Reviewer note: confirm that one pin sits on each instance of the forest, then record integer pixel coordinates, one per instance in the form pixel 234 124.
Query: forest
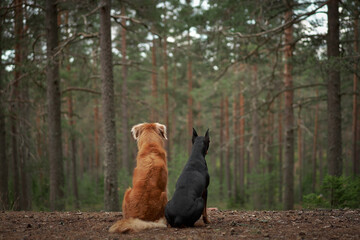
pixel 275 81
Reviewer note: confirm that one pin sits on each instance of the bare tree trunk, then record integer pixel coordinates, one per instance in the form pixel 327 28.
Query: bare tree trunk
pixel 124 119
pixel 111 198
pixel 73 152
pixel 242 148
pixel 190 100
pixel 14 108
pixel 95 166
pixel 38 133
pixel 81 158
pixel 248 172
pixel 289 116
pixel 171 136
pixel 255 143
pixel 227 148
pixel 235 151
pixel 280 142
pixel 321 165
pixel 4 191
pixel 166 112
pixel 153 114
pixel 54 109
pixel 300 157
pixel 334 150
pixel 24 147
pixel 166 93
pixel 270 157
pixel 355 157
pixel 313 186
pixel 221 144
pixel 24 130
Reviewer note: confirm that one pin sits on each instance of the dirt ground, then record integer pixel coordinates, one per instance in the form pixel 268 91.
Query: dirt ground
pixel 317 224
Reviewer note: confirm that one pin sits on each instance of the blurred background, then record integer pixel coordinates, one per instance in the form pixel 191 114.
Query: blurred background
pixel 274 81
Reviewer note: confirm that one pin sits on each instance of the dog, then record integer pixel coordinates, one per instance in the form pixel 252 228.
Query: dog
pixel 144 204
pixel 190 197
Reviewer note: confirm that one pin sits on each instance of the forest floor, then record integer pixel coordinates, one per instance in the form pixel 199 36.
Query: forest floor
pixel 298 224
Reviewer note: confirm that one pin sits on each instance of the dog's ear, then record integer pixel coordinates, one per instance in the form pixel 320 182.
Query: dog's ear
pixel 194 135
pixel 136 130
pixel 161 130
pixel 207 141
pixel 207 137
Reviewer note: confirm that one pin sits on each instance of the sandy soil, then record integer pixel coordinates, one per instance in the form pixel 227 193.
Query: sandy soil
pixel 314 224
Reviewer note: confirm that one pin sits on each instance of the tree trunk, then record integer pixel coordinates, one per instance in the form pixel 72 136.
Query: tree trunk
pixel 242 148
pixel 124 119
pixel 255 143
pixel 14 109
pixel 54 109
pixel 171 136
pixel 355 158
pixel 270 158
pixel 227 148
pixel 24 130
pixel 221 144
pixel 313 186
pixel 96 133
pixel 4 192
pixel 235 151
pixel 111 199
pixel 321 165
pixel 280 142
pixel 73 152
pixel 153 115
pixel 289 117
pixel 300 158
pixel 166 107
pixel 189 100
pixel 38 133
pixel 97 127
pixel 81 158
pixel 334 150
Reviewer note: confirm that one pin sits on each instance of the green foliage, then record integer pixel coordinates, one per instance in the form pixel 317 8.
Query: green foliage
pixel 313 200
pixel 336 192
pixel 175 168
pixel 124 182
pixel 91 192
pixel 41 192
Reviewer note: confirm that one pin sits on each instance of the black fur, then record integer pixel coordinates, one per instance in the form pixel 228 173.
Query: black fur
pixel 190 197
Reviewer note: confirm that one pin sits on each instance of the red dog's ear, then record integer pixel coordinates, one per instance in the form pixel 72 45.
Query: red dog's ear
pixel 136 130
pixel 161 129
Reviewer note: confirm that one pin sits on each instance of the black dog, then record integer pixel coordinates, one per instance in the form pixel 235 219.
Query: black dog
pixel 189 200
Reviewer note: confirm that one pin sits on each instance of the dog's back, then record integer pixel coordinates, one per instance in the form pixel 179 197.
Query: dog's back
pixel 188 203
pixel 143 205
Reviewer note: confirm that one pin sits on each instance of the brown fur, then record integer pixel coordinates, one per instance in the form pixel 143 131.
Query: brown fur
pixel 143 205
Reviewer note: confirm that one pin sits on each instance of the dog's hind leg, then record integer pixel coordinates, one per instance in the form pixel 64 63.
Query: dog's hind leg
pixel 126 201
pixel 205 216
pixel 162 202
pixel 195 211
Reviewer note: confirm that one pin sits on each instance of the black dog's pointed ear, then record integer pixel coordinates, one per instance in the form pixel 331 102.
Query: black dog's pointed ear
pixel 207 133
pixel 194 135
pixel 207 137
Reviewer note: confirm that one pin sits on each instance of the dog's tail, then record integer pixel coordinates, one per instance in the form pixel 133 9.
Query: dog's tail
pixel 136 225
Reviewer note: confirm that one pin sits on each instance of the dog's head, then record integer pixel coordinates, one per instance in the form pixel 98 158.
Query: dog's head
pixel 203 140
pixel 141 128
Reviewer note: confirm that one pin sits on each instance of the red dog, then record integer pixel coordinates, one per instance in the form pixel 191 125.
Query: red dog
pixel 144 204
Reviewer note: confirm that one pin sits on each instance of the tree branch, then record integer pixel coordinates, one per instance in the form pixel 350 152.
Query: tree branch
pixel 116 17
pixel 80 89
pixel 130 64
pixel 276 29
pixel 73 38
